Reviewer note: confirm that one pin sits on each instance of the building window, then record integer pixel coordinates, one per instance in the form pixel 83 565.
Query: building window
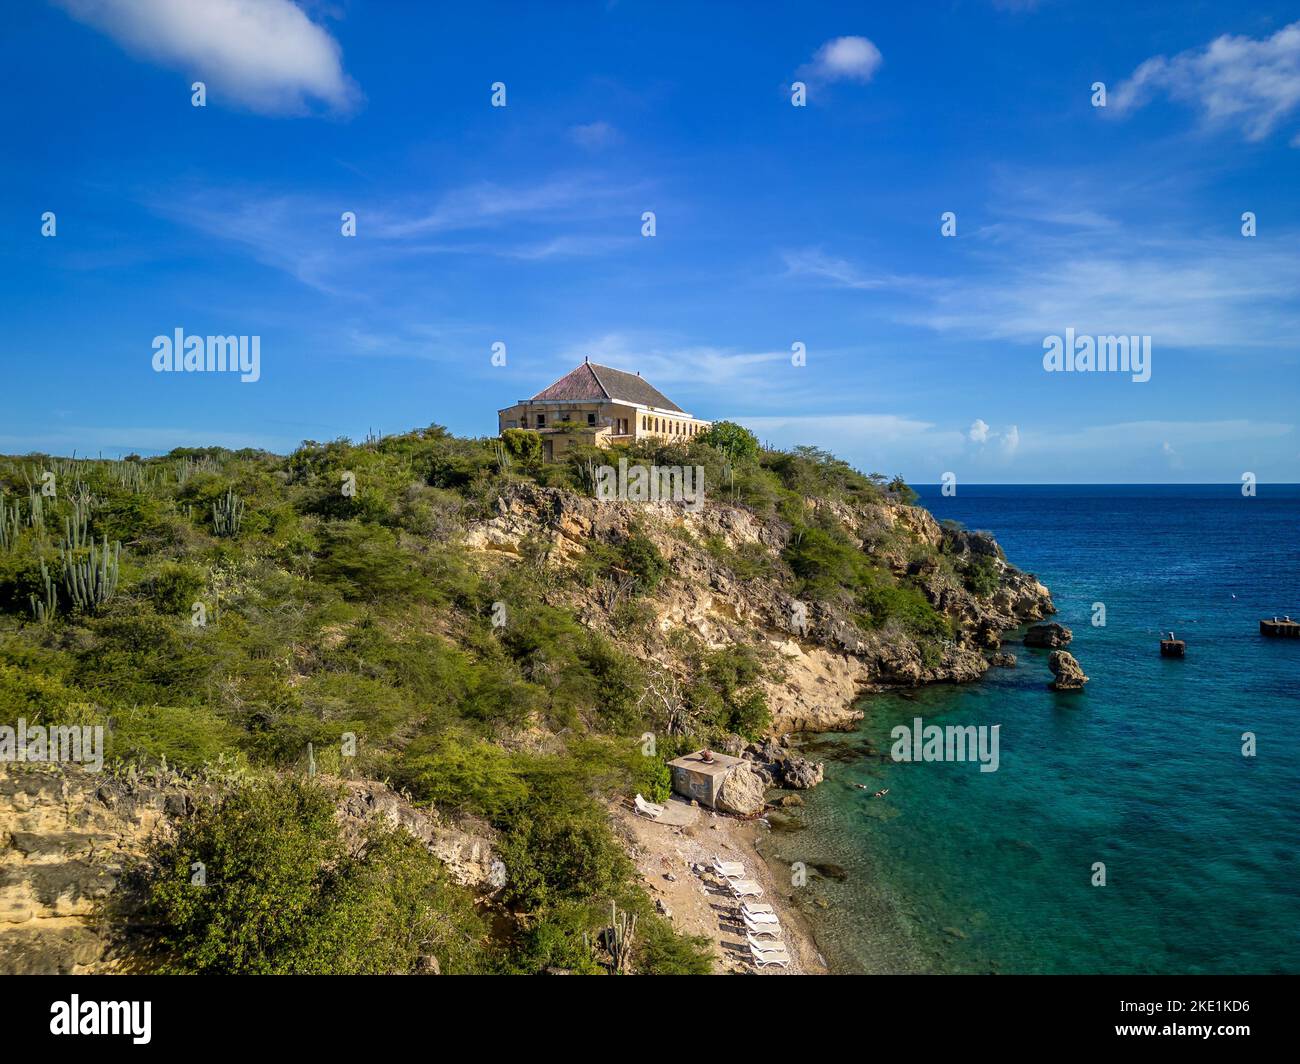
pixel 591 419
pixel 541 421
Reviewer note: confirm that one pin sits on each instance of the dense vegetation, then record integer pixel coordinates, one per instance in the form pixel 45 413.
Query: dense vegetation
pixel 220 611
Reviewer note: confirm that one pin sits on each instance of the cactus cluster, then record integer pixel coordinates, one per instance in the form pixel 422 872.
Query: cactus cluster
pixel 186 467
pixel 228 514
pixel 92 581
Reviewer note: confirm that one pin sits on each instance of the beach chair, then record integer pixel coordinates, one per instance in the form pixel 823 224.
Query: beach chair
pixel 758 918
pixel 745 888
pixel 729 869
pixel 648 809
pixel 753 930
pixel 762 958
pixel 757 908
pixel 756 943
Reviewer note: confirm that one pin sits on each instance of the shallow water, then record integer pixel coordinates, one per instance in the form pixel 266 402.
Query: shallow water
pixel 958 870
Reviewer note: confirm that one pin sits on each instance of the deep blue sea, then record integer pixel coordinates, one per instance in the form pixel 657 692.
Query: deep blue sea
pixel 958 870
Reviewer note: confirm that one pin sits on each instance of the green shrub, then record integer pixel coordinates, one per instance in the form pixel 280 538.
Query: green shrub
pixel 284 894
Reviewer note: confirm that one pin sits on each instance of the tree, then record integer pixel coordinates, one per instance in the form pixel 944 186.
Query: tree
pixel 523 445
pixel 735 441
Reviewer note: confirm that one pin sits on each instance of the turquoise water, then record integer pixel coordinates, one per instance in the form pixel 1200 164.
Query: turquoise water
pixel 958 870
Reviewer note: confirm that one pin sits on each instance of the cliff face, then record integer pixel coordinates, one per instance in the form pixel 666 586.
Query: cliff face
pixel 822 660
pixel 67 836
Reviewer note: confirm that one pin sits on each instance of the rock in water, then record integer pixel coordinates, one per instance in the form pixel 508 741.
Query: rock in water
pixel 1069 675
pixel 1003 660
pixel 801 774
pixel 1048 635
pixel 743 791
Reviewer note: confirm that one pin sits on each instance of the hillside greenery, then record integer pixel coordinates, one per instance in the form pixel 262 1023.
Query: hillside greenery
pixel 221 610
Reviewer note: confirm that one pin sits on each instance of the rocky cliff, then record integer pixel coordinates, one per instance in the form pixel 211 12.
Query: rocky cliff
pixel 67 836
pixel 822 662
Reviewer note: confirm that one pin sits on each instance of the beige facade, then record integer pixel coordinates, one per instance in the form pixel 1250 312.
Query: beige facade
pixel 601 406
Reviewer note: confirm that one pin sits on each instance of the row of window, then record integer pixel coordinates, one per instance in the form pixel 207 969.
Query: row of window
pixel 672 428
pixel 621 425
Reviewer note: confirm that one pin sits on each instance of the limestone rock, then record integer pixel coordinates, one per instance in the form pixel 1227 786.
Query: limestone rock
pixel 1069 675
pixel 743 791
pixel 801 774
pixel 1048 636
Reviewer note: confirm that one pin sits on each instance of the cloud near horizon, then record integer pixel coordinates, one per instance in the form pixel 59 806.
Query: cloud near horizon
pixel 264 55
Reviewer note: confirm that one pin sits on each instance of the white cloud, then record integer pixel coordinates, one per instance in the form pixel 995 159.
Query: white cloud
pixel 847 428
pixel 1254 84
pixel 698 365
pixel 594 135
pixel 265 55
pixel 1027 282
pixel 981 433
pixel 815 263
pixel 843 59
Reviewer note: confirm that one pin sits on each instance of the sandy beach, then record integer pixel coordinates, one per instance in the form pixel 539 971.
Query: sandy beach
pixel 697 903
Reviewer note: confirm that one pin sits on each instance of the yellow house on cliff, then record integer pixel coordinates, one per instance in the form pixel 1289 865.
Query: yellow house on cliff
pixel 601 406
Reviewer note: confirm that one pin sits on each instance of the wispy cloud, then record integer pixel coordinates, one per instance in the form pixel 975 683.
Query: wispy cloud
pixel 300 234
pixel 1026 281
pixel 263 55
pixel 1253 83
pixel 817 264
pixel 700 365
pixel 594 135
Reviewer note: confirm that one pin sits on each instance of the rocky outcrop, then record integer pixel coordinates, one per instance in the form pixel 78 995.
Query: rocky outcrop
pixel 1068 672
pixel 744 791
pixel 1003 660
pixel 67 836
pixel 1048 636
pixel 800 774
pixel 466 849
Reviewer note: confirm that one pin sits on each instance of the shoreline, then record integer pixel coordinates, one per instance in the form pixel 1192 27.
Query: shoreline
pixel 696 904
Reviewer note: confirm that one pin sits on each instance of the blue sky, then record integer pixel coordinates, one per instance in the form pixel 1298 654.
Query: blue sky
pixel 775 224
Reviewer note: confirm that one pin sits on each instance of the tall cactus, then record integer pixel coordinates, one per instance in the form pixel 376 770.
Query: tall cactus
pixel 76 531
pixel 228 514
pixel 11 522
pixel 619 938
pixel 44 609
pixel 92 581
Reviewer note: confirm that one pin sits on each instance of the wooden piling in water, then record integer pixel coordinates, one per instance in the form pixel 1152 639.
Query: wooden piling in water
pixel 1172 648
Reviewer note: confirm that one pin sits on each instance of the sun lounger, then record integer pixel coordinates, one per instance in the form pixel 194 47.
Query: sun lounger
pixel 758 918
pixel 648 809
pixel 753 930
pixel 762 958
pixel 729 869
pixel 757 908
pixel 745 888
pixel 756 943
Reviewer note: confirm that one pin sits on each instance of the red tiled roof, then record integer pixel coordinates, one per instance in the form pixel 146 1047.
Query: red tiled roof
pixel 590 382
